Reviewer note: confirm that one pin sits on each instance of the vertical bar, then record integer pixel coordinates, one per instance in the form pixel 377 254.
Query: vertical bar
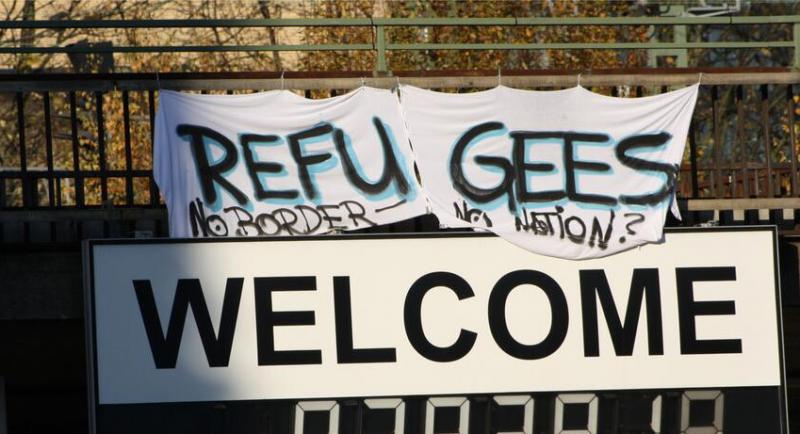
pixel 23 155
pixel 359 419
pixel 154 193
pixel 80 202
pixel 796 40
pixel 126 119
pixel 767 138
pixel 58 194
pixel 101 147
pixel 151 111
pixel 48 137
pixel 380 48
pixel 2 204
pixel 23 163
pixel 745 158
pixel 792 136
pixel 717 142
pixel 679 36
pixel 693 161
pixel 3 417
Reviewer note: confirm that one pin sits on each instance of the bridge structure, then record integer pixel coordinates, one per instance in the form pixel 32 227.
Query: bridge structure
pixel 70 169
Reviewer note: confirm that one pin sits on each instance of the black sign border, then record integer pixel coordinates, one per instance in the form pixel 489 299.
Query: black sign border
pixel 89 290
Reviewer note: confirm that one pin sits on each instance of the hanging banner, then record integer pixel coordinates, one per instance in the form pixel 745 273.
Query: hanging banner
pixel 566 173
pixel 275 163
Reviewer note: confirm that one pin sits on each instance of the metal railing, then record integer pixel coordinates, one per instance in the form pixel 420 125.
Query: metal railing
pixel 80 146
pixel 382 43
pixel 77 147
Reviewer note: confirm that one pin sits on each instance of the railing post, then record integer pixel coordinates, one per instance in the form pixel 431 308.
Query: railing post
pixel 765 121
pixel 744 150
pixel 693 162
pixel 380 48
pixel 796 40
pixel 792 137
pixel 678 37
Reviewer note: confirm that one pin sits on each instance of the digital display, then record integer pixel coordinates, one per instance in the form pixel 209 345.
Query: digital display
pixel 702 411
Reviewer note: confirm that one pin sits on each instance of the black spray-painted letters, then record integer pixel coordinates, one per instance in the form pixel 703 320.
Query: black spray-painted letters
pixel 516 187
pixel 213 172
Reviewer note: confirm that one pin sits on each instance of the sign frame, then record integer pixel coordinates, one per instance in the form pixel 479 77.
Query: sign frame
pixel 91 326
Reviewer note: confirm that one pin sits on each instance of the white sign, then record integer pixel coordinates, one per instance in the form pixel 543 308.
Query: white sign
pixel 567 173
pixel 275 163
pixel 216 320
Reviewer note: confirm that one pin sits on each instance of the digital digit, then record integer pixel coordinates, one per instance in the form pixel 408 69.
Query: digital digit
pixel 575 398
pixel 300 409
pixel 460 402
pixel 655 418
pixel 702 395
pixel 527 402
pixel 399 410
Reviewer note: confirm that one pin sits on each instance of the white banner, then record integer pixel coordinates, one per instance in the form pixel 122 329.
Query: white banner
pixel 215 320
pixel 275 163
pixel 567 173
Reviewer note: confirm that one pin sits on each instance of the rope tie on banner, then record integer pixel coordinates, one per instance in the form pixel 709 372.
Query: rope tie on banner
pixel 579 79
pixel 283 87
pixel 700 78
pixel 499 77
pixel 363 82
pixel 158 81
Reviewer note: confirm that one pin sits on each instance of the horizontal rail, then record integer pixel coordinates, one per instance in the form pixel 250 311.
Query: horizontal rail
pixel 393 46
pixel 381 44
pixel 96 214
pixel 355 22
pixel 150 82
pixel 592 45
pixel 742 204
pixel 184 48
pixel 38 173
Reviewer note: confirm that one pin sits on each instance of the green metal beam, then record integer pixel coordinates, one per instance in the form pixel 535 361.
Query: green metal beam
pixel 355 22
pixel 389 46
pixel 425 22
pixel 381 44
pixel 592 45
pixel 183 48
pixel 380 47
pixel 150 24
pixel 796 41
